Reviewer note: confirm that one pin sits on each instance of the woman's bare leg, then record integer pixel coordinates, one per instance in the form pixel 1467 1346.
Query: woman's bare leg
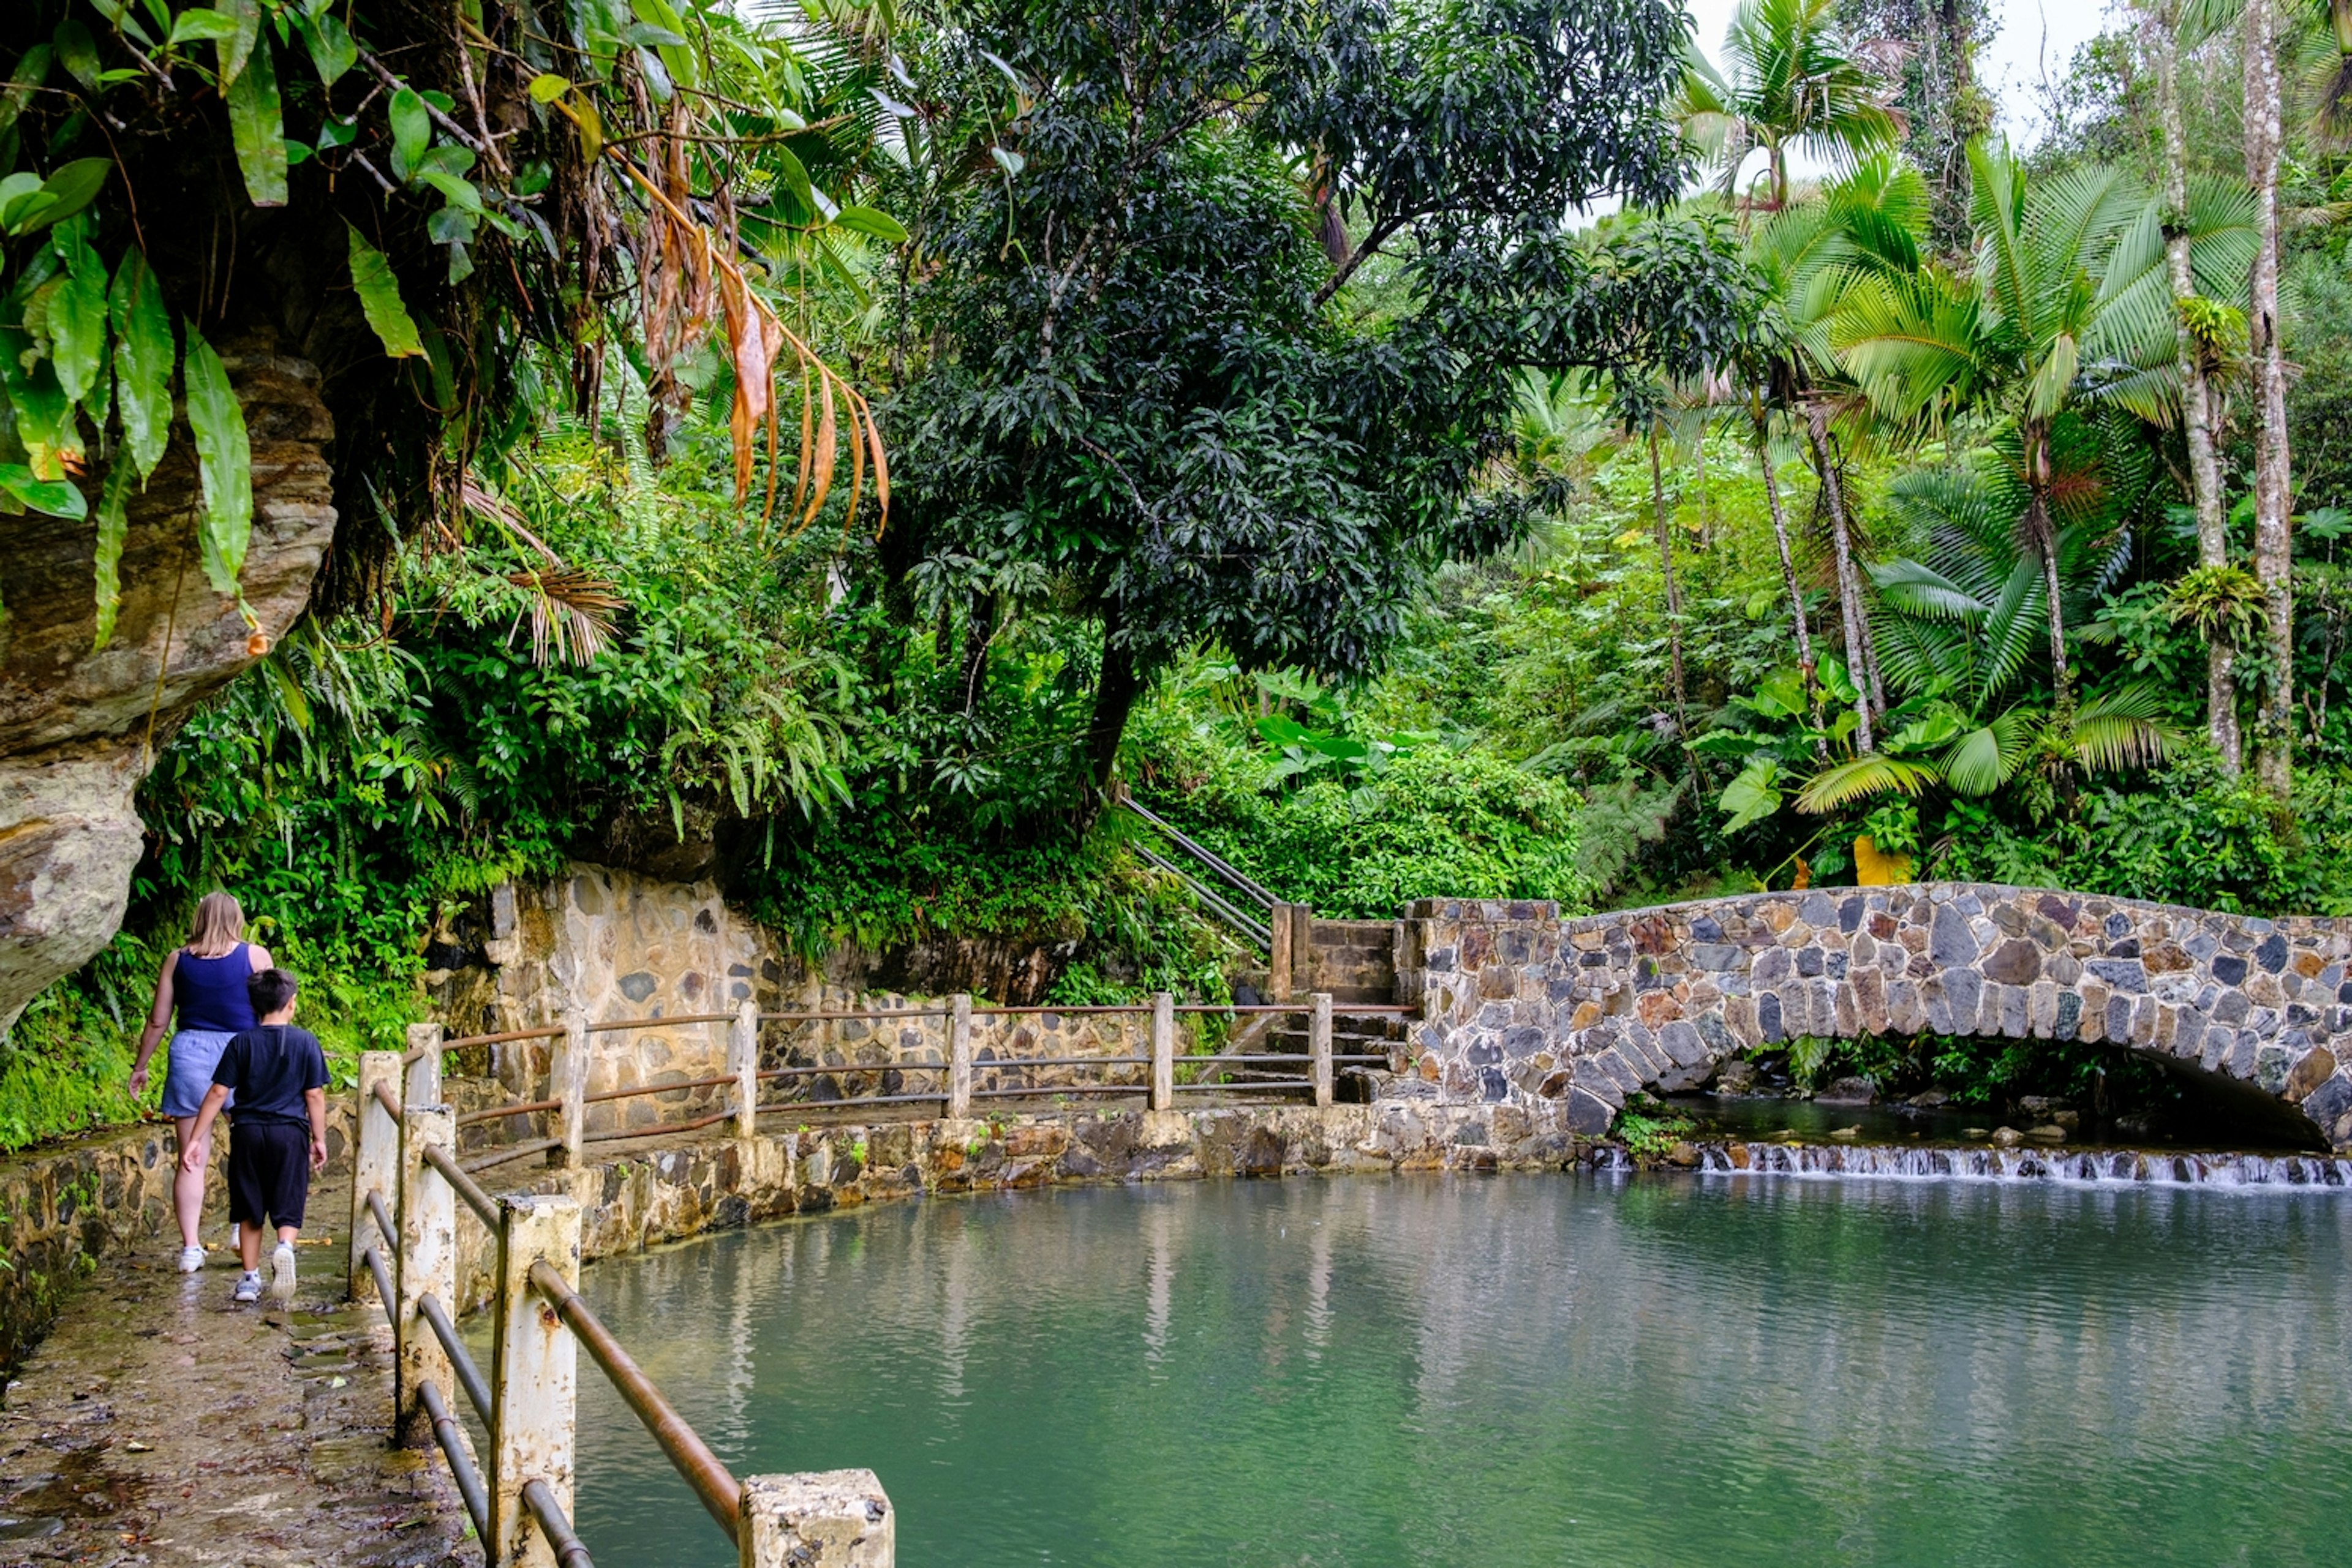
pixel 188 1186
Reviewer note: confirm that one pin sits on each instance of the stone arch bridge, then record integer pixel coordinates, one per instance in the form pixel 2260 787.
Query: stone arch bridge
pixel 1520 1005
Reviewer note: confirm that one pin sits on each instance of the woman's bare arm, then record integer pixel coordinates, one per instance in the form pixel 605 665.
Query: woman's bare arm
pixel 159 1018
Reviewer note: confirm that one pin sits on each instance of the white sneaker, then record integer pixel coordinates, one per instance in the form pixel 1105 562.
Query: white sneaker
pixel 248 1288
pixel 191 1259
pixel 281 1273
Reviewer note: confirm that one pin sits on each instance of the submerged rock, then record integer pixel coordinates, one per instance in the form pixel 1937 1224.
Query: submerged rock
pixel 1849 1091
pixel 2008 1137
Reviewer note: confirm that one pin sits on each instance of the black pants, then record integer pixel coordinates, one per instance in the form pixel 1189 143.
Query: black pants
pixel 268 1171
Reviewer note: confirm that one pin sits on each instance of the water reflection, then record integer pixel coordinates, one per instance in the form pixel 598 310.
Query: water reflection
pixel 1516 1370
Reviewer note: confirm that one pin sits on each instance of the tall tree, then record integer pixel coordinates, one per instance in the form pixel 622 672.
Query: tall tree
pixel 2163 24
pixel 2273 539
pixel 1144 377
pixel 1943 107
pixel 1790 78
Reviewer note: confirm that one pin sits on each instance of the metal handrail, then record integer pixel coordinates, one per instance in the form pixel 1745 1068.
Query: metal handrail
pixel 494 1113
pixel 390 1101
pixel 382 1277
pixel 383 1215
pixel 1218 905
pixel 512 1152
pixel 548 1033
pixel 465 1186
pixel 719 1493
pixel 569 1551
pixel 613 1134
pixel 642 1089
pixel 656 1023
pixel 461 1360
pixel 1215 863
pixel 824 1014
pixel 447 1431
pixel 852 1066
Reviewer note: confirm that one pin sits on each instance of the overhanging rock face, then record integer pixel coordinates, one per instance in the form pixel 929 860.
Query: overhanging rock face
pixel 1521 1005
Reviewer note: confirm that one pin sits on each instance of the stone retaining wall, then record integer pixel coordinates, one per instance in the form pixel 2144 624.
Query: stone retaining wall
pixel 65 1205
pixel 1523 1007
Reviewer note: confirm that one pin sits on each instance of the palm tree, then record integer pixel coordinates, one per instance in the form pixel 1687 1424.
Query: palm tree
pixel 1960 630
pixel 2042 323
pixel 2273 541
pixel 1810 256
pixel 1791 78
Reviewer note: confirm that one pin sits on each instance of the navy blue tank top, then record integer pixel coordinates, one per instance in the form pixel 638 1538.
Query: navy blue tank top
pixel 210 992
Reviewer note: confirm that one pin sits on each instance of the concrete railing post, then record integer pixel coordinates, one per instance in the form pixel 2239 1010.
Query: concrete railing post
pixel 568 1083
pixel 1278 963
pixel 375 1166
pixel 423 1084
pixel 428 1264
pixel 743 1061
pixel 827 1519
pixel 1164 1051
pixel 1318 1047
pixel 535 1383
pixel 958 1056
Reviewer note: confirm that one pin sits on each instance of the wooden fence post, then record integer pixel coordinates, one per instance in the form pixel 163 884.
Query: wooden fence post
pixel 827 1519
pixel 424 1084
pixel 958 1056
pixel 1318 1047
pixel 1278 963
pixel 1164 1051
pixel 534 1384
pixel 376 1167
pixel 428 1264
pixel 743 1061
pixel 568 1083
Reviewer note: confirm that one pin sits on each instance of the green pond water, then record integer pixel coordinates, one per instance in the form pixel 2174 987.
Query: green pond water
pixel 1516 1370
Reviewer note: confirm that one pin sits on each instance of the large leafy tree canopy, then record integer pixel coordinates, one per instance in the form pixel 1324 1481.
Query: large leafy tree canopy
pixel 1214 310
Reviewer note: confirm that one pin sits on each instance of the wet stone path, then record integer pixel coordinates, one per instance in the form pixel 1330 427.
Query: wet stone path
pixel 159 1425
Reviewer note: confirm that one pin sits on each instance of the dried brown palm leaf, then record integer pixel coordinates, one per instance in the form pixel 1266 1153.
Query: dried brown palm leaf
pixel 571 614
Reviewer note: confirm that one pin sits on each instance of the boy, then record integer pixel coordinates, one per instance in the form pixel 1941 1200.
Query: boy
pixel 279 1075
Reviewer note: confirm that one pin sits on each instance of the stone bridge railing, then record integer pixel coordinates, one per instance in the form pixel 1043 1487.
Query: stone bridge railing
pixel 1520 1005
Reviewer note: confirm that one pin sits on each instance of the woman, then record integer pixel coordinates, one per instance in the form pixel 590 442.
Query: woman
pixel 206 982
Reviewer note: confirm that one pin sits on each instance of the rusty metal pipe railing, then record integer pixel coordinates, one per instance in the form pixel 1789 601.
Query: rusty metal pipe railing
pixel 383 1215
pixel 569 1551
pixel 512 1152
pixel 553 1031
pixel 1250 1084
pixel 391 1103
pixel 846 1102
pixel 644 1090
pixel 466 1186
pixel 385 1294
pixel 719 1493
pixel 1046 1089
pixel 854 1066
pixel 825 1014
pixel 452 1439
pixel 683 1018
pixel 660 1130
pixel 494 1113
pixel 461 1360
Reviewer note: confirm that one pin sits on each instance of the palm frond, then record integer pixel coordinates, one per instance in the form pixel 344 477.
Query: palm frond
pixel 1859 778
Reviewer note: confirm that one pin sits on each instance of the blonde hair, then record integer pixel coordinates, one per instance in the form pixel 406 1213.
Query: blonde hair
pixel 219 925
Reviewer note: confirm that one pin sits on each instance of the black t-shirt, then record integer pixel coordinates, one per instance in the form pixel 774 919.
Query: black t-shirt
pixel 269 1066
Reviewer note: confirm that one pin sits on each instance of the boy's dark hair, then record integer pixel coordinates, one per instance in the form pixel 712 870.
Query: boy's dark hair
pixel 270 989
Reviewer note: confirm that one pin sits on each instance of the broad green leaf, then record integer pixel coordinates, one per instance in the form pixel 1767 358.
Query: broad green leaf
pixel 546 88
pixel 57 198
pixel 258 126
pixel 113 525
pixel 76 315
pixel 244 32
pixel 1012 162
pixel 461 194
pixel 1753 796
pixel 77 51
pixel 412 131
pixel 379 293
pixel 143 352
pixel 224 464
pixel 57 498
pixel 866 220
pixel 117 12
pixel 198 25
pixel 44 415
pixel 31 70
pixel 332 49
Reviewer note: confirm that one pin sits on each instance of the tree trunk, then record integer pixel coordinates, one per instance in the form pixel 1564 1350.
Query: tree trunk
pixel 1859 659
pixel 1115 695
pixel 2045 544
pixel 1674 592
pixel 2274 542
pixel 2161 28
pixel 1789 570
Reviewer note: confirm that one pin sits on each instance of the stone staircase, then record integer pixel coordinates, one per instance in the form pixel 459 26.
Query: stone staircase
pixel 1355 962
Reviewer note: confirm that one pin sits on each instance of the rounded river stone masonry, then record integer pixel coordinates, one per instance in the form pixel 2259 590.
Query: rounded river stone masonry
pixel 1519 1005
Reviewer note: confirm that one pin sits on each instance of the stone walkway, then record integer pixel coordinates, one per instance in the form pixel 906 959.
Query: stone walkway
pixel 158 1425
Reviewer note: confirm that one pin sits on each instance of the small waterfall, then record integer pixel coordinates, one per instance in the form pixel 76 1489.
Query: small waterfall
pixel 2105 1167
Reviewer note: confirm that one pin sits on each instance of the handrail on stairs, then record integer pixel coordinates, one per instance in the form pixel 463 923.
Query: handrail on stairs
pixel 1234 908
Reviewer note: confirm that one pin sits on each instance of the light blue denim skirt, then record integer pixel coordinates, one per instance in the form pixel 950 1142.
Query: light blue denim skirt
pixel 188 1076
